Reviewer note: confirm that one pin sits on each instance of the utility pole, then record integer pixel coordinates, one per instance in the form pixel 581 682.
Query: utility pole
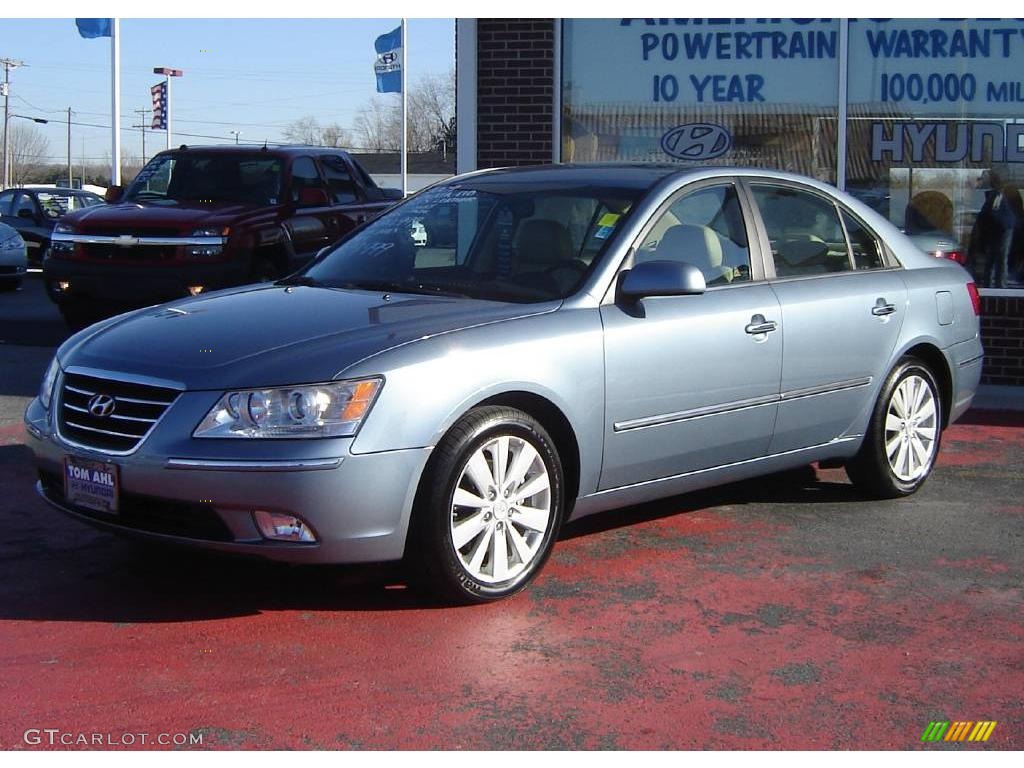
pixel 71 180
pixel 142 125
pixel 8 65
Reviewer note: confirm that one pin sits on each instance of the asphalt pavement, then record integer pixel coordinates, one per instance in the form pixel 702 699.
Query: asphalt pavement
pixel 782 613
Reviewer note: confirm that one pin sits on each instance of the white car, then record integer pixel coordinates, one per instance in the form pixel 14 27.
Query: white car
pixel 13 258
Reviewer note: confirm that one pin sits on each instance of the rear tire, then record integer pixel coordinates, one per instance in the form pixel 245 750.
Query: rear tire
pixel 903 436
pixel 488 509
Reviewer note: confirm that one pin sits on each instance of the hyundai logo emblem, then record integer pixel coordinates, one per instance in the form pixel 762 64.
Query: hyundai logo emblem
pixel 101 405
pixel 696 141
pixel 388 58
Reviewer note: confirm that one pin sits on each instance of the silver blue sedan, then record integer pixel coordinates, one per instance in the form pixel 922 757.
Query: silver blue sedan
pixel 510 350
pixel 13 258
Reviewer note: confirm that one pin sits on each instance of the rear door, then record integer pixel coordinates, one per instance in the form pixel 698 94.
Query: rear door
pixel 842 309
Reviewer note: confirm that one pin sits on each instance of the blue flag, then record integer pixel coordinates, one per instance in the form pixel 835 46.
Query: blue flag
pixel 94 27
pixel 388 66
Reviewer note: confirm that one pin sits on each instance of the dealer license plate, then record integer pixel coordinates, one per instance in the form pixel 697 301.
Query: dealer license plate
pixel 91 484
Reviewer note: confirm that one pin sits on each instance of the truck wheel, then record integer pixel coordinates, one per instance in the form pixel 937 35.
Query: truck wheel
pixel 903 435
pixel 489 508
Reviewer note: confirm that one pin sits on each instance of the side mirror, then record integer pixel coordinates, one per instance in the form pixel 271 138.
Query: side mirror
pixel 26 213
pixel 311 196
pixel 661 278
pixel 113 193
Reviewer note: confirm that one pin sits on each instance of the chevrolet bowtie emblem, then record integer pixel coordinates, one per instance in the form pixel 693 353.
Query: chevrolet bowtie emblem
pixel 125 241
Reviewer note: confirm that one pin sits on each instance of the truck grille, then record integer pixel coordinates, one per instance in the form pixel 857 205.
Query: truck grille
pixel 106 252
pixel 136 408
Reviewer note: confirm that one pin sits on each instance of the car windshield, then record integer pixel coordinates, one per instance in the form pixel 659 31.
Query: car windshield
pixel 56 204
pixel 502 243
pixel 208 177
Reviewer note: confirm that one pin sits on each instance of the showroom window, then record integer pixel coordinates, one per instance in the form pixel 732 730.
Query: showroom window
pixel 920 119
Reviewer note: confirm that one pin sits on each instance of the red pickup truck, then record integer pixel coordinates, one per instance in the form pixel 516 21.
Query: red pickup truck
pixel 196 219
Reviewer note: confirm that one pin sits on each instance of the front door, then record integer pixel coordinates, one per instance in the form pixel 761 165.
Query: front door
pixel 692 382
pixel 842 310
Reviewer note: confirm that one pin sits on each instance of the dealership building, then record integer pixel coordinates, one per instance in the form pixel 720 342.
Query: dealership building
pixel 922 119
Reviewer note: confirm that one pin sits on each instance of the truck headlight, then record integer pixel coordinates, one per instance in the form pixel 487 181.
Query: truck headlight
pixel 13 242
pixel 332 409
pixel 49 381
pixel 63 229
pixel 209 251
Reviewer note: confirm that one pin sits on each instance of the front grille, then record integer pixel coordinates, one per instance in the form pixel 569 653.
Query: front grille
pixel 134 231
pixel 137 409
pixel 138 253
pixel 148 513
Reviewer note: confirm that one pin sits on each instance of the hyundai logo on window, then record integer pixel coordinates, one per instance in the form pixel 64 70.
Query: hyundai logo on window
pixel 696 141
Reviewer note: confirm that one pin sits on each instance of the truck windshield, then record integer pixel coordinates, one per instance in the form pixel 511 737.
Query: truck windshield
pixel 208 177
pixel 498 243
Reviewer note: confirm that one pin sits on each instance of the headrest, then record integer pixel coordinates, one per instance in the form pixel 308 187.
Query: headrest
pixel 543 242
pixel 693 244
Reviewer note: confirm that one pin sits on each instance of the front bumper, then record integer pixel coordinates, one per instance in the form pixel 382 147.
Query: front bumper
pixel 358 505
pixel 137 285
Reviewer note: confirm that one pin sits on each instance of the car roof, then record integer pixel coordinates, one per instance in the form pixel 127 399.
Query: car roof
pixel 623 175
pixel 275 150
pixel 54 190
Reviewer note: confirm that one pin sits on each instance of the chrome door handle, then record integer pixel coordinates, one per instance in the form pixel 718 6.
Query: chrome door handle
pixel 759 325
pixel 881 308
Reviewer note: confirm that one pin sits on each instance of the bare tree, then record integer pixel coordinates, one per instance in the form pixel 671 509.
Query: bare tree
pixel 307 130
pixel 378 124
pixel 29 148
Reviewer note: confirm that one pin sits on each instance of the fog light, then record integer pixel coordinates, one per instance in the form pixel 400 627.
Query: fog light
pixel 282 527
pixel 195 290
pixel 63 285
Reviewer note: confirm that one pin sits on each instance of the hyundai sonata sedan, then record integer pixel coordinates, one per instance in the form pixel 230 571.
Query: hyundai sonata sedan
pixel 510 350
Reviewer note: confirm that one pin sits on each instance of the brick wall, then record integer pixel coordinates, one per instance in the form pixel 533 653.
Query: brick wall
pixel 1002 334
pixel 515 91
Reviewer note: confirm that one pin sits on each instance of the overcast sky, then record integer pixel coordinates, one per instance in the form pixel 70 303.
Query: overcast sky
pixel 253 76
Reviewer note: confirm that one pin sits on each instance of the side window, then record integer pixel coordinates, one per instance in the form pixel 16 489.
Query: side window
pixel 340 184
pixel 704 228
pixel 6 198
pixel 863 244
pixel 804 230
pixel 24 202
pixel 304 176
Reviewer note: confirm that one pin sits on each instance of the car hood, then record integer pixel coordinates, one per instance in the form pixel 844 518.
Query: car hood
pixel 181 216
pixel 272 335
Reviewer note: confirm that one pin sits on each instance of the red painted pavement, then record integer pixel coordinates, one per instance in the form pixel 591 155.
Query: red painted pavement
pixel 779 613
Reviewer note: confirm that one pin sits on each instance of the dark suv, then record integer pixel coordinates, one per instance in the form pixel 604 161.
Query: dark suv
pixel 197 219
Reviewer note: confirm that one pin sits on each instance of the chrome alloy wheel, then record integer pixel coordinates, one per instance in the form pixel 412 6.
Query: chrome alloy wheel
pixel 501 509
pixel 911 428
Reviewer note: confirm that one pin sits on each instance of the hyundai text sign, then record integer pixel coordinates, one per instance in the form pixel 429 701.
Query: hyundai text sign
pixel 696 141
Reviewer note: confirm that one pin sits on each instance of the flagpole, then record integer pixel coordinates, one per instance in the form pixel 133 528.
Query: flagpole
pixel 115 102
pixel 405 114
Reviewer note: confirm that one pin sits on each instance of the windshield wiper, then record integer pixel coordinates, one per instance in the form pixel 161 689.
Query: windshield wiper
pixel 399 287
pixel 306 280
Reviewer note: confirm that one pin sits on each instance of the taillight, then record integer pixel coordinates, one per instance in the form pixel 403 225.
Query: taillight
pixel 958 256
pixel 972 291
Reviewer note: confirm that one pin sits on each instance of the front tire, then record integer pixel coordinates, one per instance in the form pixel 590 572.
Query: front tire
pixel 489 507
pixel 903 435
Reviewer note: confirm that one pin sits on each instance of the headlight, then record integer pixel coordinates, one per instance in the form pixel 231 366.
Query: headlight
pixel 49 380
pixel 14 241
pixel 333 409
pixel 208 251
pixel 63 229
